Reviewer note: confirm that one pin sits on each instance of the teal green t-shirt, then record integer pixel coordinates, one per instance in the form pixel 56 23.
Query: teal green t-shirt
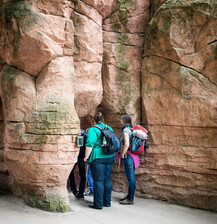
pixel 94 139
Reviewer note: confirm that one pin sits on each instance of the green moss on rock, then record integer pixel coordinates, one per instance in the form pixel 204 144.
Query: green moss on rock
pixel 15 20
pixel 15 10
pixel 121 14
pixel 120 52
pixel 53 203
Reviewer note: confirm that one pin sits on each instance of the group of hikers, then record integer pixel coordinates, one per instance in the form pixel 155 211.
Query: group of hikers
pixel 99 164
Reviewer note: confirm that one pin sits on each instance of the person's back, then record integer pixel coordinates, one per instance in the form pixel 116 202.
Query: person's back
pixel 100 165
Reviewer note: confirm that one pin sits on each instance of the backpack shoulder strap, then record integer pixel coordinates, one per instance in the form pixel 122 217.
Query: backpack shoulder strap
pixel 100 127
pixel 95 126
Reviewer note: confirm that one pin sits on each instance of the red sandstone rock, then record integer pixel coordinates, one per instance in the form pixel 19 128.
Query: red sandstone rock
pixel 179 105
pixel 88 94
pixel 191 32
pixel 42 36
pixel 18 93
pixel 122 61
pixel 104 7
pixel 88 58
pixel 39 150
pixel 61 8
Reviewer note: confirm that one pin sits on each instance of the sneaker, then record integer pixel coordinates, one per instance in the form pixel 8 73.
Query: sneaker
pixel 88 193
pixel 125 197
pixel 127 202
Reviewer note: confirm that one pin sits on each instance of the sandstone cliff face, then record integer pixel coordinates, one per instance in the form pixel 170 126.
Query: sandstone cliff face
pixel 179 104
pixel 61 60
pixel 123 36
pixel 37 93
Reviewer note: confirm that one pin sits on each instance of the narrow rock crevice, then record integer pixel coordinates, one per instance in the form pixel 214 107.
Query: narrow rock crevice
pixel 127 45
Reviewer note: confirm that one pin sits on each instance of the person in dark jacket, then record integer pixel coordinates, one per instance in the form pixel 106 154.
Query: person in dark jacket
pixel 81 165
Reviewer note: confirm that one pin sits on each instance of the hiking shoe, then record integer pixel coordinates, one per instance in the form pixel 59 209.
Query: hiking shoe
pixel 88 193
pixel 125 197
pixel 127 202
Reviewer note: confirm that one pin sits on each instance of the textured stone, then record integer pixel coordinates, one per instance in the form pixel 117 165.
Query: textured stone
pixel 88 94
pixel 41 120
pixel 186 33
pixel 26 32
pixel 104 7
pixel 179 105
pixel 155 4
pixel 192 100
pixel 61 8
pixel 88 58
pixel 17 92
pixel 123 47
pixel 131 17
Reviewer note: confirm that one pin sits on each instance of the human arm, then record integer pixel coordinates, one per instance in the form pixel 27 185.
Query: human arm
pixel 87 153
pixel 126 145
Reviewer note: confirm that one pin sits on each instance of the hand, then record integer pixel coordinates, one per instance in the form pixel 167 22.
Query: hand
pixel 85 159
pixel 122 156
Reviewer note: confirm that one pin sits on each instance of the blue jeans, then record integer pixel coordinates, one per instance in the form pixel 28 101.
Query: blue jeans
pixel 101 172
pixel 129 169
pixel 89 179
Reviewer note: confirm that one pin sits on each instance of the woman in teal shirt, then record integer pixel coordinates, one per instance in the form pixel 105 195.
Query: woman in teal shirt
pixel 100 165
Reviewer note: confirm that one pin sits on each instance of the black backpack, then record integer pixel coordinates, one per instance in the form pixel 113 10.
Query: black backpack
pixel 110 141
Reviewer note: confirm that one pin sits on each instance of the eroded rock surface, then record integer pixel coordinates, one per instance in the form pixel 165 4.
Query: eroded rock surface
pixel 37 88
pixel 179 99
pixel 123 47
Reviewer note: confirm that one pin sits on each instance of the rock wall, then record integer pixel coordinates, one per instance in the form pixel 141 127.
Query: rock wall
pixel 62 60
pixel 37 85
pixel 123 38
pixel 180 105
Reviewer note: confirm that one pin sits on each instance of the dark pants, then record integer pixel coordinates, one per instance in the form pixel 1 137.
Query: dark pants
pixel 101 172
pixel 129 169
pixel 82 174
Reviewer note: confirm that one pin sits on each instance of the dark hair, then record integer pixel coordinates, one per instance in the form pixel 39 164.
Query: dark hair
pixel 127 119
pixel 99 117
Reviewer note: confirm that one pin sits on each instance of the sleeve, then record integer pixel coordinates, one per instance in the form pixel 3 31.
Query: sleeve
pixel 91 138
pixel 127 130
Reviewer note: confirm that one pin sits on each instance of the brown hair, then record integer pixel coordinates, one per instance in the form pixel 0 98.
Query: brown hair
pixel 127 119
pixel 99 118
